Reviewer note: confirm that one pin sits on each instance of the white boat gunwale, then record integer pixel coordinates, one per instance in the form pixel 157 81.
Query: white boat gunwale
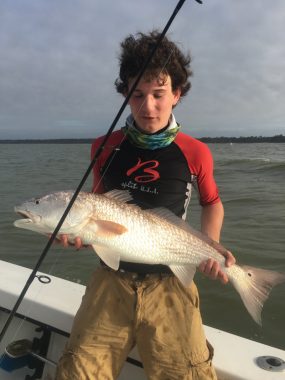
pixel 58 303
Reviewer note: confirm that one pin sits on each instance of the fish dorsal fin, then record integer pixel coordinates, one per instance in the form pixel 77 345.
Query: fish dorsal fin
pixel 168 215
pixel 107 228
pixel 164 213
pixel 109 256
pixel 119 195
pixel 180 223
pixel 184 273
pixel 216 245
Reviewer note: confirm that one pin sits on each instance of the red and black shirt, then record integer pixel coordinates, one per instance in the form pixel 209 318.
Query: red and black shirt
pixel 158 178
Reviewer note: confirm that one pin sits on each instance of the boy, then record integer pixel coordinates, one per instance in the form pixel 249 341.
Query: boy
pixel 146 304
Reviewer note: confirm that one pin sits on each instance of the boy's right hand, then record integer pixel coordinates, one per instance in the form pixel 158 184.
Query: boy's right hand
pixel 63 240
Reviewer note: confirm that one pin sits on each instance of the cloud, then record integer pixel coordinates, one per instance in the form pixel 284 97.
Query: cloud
pixel 59 62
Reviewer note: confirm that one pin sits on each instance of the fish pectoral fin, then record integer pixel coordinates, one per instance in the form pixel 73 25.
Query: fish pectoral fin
pixel 111 258
pixel 184 273
pixel 107 228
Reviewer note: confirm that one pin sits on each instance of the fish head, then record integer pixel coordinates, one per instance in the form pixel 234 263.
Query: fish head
pixel 43 214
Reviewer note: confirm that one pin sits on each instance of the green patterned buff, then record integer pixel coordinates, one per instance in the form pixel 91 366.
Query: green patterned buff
pixel 154 141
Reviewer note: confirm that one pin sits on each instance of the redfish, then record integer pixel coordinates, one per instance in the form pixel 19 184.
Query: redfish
pixel 118 230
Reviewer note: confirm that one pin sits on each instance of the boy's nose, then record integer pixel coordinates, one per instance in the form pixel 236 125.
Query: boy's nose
pixel 148 104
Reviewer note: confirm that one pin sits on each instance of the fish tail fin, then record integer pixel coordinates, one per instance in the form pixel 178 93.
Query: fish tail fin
pixel 256 288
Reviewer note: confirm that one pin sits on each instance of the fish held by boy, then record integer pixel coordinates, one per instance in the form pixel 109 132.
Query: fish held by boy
pixel 118 231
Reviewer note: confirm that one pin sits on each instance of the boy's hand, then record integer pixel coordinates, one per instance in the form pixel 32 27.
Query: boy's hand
pixel 63 240
pixel 212 268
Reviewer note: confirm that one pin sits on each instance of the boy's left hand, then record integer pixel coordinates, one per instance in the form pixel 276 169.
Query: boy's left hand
pixel 212 268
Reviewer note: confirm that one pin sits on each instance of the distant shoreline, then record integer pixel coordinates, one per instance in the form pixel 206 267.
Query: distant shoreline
pixel 221 140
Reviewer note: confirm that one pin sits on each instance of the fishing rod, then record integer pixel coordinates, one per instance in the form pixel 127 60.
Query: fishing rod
pixel 89 169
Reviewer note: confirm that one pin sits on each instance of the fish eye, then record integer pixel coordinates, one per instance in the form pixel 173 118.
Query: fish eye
pixel 37 202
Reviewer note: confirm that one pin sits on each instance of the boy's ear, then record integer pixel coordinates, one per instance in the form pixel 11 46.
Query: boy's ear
pixel 177 95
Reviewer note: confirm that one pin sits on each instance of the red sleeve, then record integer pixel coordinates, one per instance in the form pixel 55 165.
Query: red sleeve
pixel 201 165
pixel 113 141
pixel 97 186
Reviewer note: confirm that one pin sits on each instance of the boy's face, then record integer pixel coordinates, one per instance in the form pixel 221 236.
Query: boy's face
pixel 152 102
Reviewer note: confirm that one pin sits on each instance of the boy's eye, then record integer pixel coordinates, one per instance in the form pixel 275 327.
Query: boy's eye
pixel 137 95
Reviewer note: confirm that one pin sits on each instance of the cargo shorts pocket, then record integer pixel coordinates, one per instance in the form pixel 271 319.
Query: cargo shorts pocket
pixel 202 369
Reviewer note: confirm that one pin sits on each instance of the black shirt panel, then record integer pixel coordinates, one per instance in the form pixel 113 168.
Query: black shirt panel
pixel 155 178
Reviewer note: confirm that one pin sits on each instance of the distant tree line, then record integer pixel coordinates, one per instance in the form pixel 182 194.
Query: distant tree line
pixel 48 141
pixel 251 139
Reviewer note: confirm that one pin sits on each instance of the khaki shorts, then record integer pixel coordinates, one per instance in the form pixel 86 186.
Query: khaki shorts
pixel 158 314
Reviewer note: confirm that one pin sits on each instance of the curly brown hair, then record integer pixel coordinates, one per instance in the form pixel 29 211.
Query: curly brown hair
pixel 168 60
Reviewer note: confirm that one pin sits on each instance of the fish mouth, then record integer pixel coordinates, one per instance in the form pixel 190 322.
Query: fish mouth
pixel 21 213
pixel 27 217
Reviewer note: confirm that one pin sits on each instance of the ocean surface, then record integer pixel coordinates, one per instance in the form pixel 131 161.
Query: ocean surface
pixel 251 179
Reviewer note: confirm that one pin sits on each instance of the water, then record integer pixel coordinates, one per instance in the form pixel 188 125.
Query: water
pixel 251 178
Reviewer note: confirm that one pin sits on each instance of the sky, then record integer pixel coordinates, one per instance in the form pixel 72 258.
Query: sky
pixel 59 61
